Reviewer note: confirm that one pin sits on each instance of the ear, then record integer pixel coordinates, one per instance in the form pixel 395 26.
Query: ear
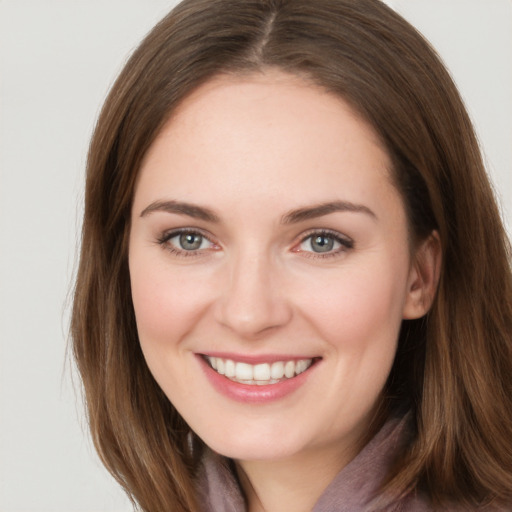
pixel 423 277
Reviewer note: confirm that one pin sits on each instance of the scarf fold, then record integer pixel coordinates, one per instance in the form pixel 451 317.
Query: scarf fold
pixel 352 490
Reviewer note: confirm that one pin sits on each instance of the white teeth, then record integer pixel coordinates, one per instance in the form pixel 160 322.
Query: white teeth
pixel 229 368
pixel 243 371
pixel 262 372
pixel 289 369
pixel 259 374
pixel 277 370
pixel 301 366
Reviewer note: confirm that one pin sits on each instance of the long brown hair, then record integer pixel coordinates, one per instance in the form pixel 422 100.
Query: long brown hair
pixel 453 367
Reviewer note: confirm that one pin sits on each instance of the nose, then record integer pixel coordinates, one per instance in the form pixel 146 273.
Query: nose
pixel 253 301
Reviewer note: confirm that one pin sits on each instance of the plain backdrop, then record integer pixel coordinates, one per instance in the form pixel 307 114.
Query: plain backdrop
pixel 57 61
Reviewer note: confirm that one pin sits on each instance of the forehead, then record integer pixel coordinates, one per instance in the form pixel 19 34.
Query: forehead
pixel 259 135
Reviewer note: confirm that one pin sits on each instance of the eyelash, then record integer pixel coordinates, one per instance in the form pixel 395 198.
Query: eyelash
pixel 345 243
pixel 167 236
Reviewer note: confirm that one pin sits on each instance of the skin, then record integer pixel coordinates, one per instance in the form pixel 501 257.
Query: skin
pixel 251 150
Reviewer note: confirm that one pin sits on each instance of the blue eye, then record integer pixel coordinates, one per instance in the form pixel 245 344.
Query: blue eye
pixel 325 243
pixel 322 243
pixel 189 241
pixel 186 242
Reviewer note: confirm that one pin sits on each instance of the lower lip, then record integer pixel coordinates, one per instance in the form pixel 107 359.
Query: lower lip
pixel 254 393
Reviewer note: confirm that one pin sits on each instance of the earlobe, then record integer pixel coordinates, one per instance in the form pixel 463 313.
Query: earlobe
pixel 423 277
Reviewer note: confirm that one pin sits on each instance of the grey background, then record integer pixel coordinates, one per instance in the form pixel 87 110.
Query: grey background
pixel 57 61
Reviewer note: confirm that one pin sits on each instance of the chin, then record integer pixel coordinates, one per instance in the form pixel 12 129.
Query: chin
pixel 256 445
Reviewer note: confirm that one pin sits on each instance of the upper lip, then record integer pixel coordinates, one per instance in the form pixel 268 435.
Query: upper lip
pixel 257 358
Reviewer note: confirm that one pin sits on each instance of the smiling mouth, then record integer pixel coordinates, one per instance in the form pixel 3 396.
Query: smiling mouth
pixel 259 374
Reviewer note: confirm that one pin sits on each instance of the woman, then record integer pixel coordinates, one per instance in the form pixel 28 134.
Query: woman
pixel 294 290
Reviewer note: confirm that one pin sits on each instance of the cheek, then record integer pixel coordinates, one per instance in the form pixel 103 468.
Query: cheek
pixel 167 302
pixel 358 307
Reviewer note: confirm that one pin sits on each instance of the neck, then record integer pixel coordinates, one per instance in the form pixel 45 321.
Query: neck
pixel 297 482
pixel 294 483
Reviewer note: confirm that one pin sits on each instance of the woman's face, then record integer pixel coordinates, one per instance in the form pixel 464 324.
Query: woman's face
pixel 268 242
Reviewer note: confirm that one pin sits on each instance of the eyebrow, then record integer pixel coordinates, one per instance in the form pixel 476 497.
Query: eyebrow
pixel 292 217
pixel 319 210
pixel 181 208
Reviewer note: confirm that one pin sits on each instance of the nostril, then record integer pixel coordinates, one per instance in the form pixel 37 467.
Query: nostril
pixel 251 299
pixel 251 314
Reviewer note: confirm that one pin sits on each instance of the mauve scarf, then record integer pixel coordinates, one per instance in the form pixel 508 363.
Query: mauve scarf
pixel 352 490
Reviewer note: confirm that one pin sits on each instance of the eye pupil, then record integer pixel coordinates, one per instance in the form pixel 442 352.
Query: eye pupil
pixel 190 241
pixel 322 243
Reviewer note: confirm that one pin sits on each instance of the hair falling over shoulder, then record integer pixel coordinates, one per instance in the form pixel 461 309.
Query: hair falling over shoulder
pixel 453 367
